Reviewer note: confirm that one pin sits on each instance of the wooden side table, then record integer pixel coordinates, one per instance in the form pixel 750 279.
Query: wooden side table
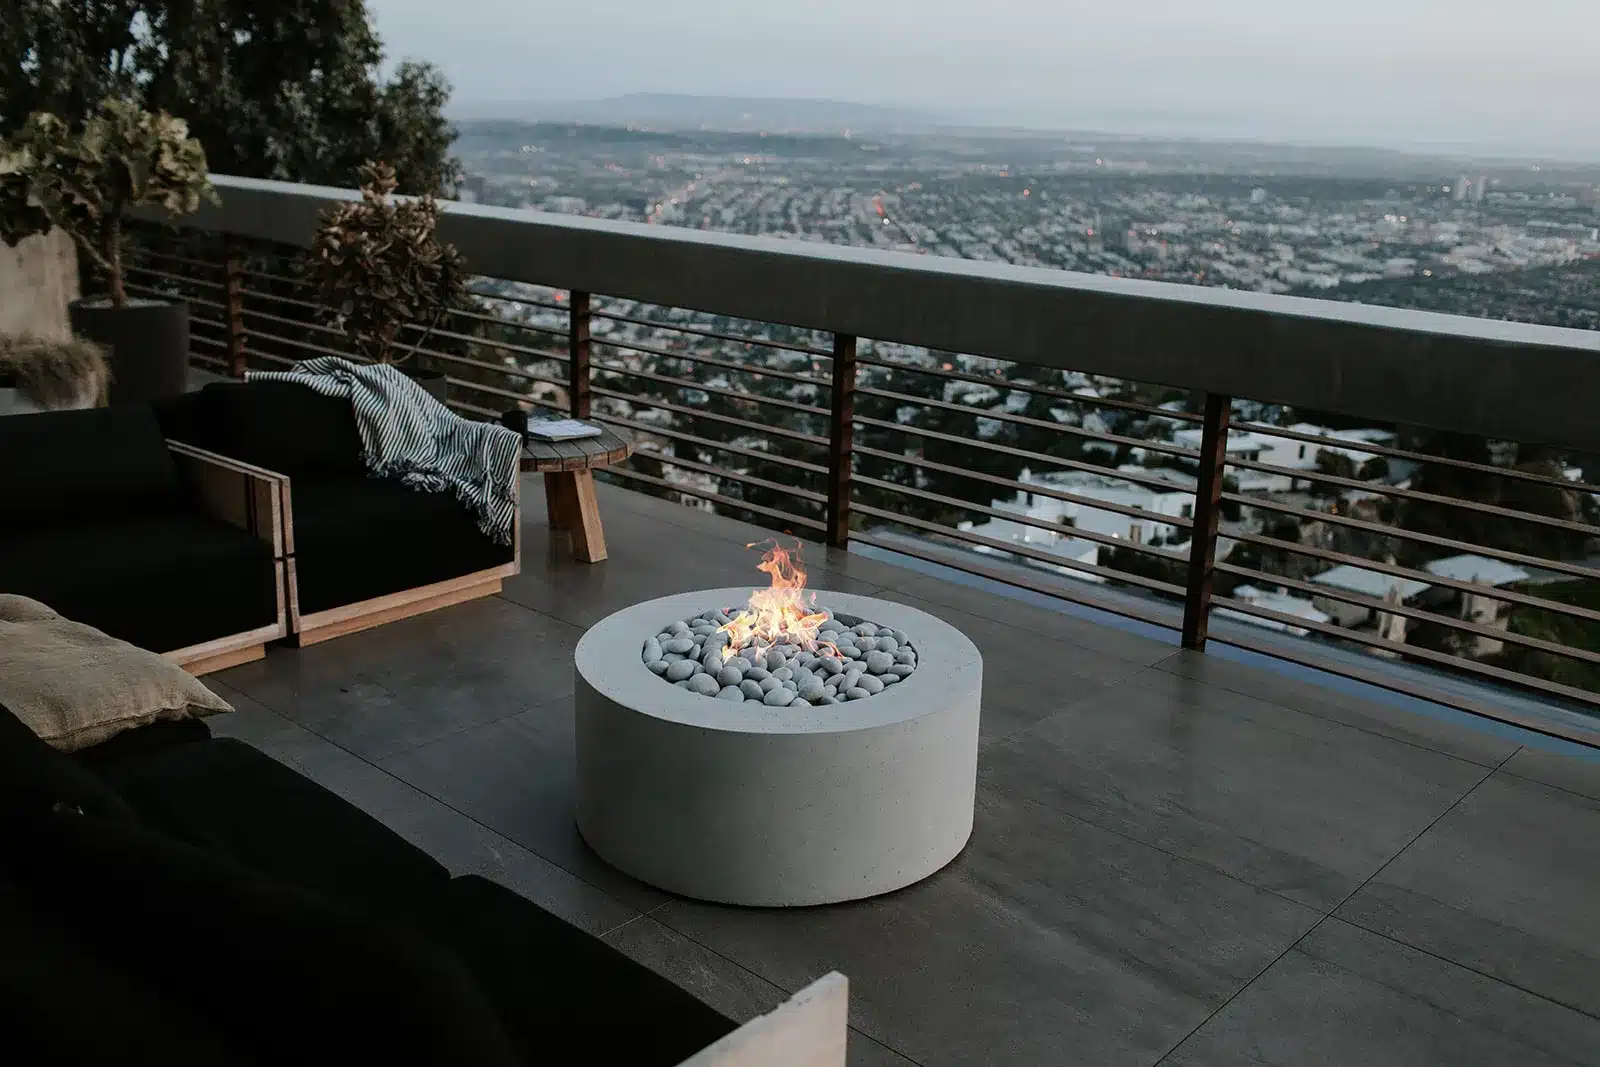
pixel 568 469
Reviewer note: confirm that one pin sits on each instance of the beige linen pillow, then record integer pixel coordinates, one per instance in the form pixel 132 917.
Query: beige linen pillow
pixel 75 686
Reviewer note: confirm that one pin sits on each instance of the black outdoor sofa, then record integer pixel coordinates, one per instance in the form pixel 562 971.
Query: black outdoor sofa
pixel 172 898
pixel 361 551
pixel 160 544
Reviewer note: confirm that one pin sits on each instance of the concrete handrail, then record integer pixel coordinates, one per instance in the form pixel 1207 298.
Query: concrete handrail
pixel 1495 379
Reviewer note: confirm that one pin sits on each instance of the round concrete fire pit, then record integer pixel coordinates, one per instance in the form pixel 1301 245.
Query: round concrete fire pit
pixel 744 803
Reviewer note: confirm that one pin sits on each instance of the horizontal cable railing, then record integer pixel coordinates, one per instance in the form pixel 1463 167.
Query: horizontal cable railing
pixel 1337 485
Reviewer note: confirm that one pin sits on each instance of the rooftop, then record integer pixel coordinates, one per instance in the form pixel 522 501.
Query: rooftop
pixel 1178 858
pixel 1368 582
pixel 1471 568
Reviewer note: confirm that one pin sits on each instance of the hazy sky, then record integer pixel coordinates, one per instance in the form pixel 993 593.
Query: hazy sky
pixel 1487 75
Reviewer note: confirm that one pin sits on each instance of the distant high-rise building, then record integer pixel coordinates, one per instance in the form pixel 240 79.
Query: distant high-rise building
pixel 1258 196
pixel 1479 187
pixel 1116 234
pixel 1463 183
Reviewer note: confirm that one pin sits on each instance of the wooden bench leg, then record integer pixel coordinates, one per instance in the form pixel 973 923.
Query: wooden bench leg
pixel 588 537
pixel 558 500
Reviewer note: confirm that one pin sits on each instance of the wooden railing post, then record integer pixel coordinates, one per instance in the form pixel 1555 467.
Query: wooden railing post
pixel 841 438
pixel 1207 504
pixel 235 291
pixel 578 355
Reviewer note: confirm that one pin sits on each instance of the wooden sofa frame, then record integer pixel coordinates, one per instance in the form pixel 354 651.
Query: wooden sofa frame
pixel 250 498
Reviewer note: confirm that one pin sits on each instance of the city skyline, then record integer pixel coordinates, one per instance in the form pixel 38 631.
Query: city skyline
pixel 1468 77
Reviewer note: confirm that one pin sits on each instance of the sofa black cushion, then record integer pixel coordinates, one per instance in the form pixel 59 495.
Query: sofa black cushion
pixel 35 776
pixel 255 917
pixel 60 468
pixel 274 968
pixel 162 582
pixel 64 1001
pixel 590 996
pixel 229 799
pixel 142 742
pixel 281 426
pixel 359 539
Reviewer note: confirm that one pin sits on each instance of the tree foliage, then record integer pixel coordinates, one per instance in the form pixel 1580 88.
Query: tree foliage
pixel 289 89
pixel 87 179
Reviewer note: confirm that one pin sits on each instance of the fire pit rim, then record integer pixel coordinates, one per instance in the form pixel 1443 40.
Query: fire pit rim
pixel 607 660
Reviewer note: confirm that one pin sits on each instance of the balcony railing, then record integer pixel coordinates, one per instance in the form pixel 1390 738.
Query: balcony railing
pixel 1169 453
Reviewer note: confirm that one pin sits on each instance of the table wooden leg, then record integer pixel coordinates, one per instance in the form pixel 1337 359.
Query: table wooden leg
pixel 558 500
pixel 588 537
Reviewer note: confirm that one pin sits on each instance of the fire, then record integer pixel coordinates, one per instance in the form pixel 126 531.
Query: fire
pixel 784 611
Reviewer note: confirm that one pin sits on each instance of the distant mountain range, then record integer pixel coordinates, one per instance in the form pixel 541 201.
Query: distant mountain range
pixel 683 111
pixel 1178 140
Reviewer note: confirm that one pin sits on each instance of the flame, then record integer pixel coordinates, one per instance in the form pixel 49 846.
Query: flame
pixel 784 610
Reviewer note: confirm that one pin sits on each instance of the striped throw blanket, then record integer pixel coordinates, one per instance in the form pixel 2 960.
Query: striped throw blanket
pixel 408 435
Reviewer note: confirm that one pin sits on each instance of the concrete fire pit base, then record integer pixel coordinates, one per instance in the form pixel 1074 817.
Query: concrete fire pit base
pixel 745 804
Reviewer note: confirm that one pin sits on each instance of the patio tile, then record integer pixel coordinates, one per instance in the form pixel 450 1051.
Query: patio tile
pixel 1027 676
pixel 1441 734
pixel 516 776
pixel 1047 934
pixel 723 984
pixel 735 992
pixel 1345 996
pixel 646 562
pixel 390 689
pixel 462 845
pixel 1286 801
pixel 1082 634
pixel 1505 884
pixel 1572 769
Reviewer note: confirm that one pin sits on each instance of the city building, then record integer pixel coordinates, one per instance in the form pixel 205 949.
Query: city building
pixel 1369 583
pixel 1278 601
pixel 1475 607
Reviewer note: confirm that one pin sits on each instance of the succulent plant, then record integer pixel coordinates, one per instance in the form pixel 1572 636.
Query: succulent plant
pixel 379 267
pixel 87 180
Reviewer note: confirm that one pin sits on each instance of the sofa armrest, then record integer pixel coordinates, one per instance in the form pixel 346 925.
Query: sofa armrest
pixel 807 1030
pixel 249 497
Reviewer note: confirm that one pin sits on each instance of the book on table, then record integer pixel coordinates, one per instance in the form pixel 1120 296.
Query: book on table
pixel 560 429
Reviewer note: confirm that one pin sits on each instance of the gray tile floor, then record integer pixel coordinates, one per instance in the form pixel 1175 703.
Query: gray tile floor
pixel 1178 859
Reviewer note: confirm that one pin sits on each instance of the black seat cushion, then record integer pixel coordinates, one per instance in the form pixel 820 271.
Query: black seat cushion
pixel 230 799
pixel 281 426
pixel 64 1002
pixel 162 582
pixel 63 468
pixel 285 972
pixel 35 776
pixel 359 539
pixel 595 998
pixel 142 742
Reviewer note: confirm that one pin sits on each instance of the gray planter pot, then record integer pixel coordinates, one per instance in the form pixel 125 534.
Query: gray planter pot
pixel 148 341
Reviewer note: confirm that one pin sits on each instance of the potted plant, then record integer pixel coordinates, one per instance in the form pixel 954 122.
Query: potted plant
pixel 87 181
pixel 379 269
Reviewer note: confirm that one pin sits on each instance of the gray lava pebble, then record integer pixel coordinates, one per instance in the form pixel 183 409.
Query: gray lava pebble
pixel 852 660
